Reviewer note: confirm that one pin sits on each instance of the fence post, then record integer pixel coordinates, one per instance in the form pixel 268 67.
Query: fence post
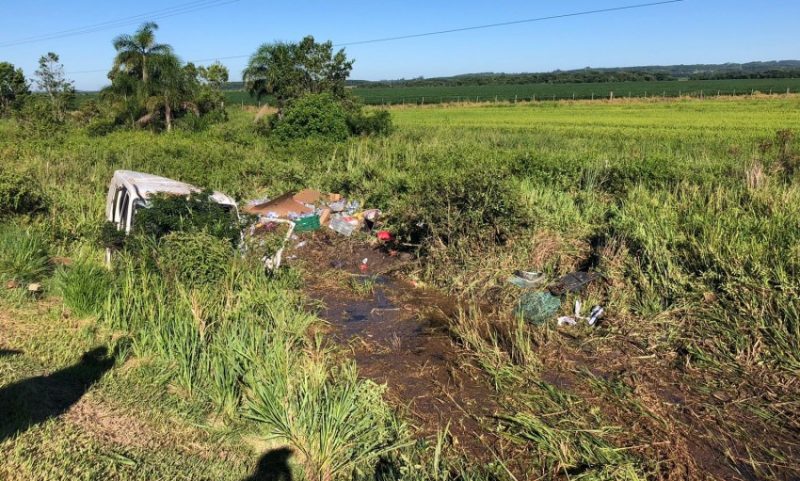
pixel 611 95
pixel 592 95
pixel 515 97
pixel 573 96
pixel 423 100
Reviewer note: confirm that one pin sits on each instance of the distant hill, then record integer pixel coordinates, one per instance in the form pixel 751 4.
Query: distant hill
pixel 647 73
pixel 750 70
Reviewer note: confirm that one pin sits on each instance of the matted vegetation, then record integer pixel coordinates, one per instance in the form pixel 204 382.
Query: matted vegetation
pixel 687 209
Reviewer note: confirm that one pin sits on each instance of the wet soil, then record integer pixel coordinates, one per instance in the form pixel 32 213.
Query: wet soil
pixel 397 333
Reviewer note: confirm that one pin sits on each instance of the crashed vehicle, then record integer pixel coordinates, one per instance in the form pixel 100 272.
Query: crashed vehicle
pixel 130 191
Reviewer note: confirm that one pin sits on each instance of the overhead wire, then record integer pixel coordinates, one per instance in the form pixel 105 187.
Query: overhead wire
pixel 181 9
pixel 455 30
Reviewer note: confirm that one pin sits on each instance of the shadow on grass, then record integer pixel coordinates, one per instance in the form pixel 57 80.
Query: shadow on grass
pixel 9 352
pixel 273 466
pixel 25 403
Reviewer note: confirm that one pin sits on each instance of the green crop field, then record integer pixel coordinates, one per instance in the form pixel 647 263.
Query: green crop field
pixel 686 210
pixel 489 93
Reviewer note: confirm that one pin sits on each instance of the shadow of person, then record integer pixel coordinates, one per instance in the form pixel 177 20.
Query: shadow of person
pixel 9 352
pixel 273 466
pixel 26 403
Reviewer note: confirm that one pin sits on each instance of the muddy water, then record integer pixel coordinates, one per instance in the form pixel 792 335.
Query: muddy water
pixel 398 337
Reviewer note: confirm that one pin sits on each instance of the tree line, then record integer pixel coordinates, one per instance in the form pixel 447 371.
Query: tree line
pixel 151 88
pixel 655 73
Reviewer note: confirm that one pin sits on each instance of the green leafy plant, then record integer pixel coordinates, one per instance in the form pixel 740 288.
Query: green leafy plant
pixel 194 258
pixel 195 213
pixel 24 254
pixel 84 286
pixel 375 123
pixel 20 194
pixel 312 115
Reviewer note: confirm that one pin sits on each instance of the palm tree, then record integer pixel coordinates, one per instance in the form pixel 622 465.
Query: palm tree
pixel 134 50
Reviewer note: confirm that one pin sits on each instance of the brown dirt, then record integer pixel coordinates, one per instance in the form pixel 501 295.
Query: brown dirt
pixel 397 337
pixel 696 423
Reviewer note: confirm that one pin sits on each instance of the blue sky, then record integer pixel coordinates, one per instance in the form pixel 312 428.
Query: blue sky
pixel 694 31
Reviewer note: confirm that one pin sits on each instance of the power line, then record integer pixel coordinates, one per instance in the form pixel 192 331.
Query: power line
pixel 479 27
pixel 460 29
pixel 513 22
pixel 181 9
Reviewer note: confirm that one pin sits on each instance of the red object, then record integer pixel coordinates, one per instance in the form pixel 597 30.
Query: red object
pixel 385 235
pixel 364 268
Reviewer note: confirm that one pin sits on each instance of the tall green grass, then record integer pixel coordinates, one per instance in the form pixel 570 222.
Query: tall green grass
pixel 24 254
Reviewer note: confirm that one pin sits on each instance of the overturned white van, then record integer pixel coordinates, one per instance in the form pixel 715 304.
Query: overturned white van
pixel 130 191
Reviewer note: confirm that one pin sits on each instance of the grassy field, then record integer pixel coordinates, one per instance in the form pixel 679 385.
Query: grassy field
pixel 687 210
pixel 491 93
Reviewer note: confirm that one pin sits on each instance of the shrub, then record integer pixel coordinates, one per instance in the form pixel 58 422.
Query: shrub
pixel 314 115
pixel 195 213
pixel 446 208
pixel 100 126
pixel 24 254
pixel 376 123
pixel 37 117
pixel 194 258
pixel 20 195
pixel 339 423
pixel 84 287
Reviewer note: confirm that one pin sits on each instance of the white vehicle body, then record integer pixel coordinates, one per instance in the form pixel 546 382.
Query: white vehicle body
pixel 130 191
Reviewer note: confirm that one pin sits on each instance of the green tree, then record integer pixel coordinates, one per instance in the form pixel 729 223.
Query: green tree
pixel 290 70
pixel 135 52
pixel 50 79
pixel 13 88
pixel 173 88
pixel 214 77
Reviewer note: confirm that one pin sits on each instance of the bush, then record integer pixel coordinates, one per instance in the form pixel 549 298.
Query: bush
pixel 451 207
pixel 20 195
pixel 314 115
pixel 37 118
pixel 84 287
pixel 376 123
pixel 195 213
pixel 194 258
pixel 24 254
pixel 100 126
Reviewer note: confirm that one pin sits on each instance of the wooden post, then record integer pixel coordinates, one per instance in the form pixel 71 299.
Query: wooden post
pixel 515 97
pixel 592 95
pixel 611 95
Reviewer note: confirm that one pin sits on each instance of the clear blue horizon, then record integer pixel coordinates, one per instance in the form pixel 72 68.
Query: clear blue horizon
pixel 690 32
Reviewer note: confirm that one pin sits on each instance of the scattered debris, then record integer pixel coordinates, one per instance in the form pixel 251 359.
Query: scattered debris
pixel 34 288
pixel 567 321
pixel 526 279
pixel 385 236
pixel 12 284
pixel 594 315
pixel 537 307
pixel 572 282
pixel 344 225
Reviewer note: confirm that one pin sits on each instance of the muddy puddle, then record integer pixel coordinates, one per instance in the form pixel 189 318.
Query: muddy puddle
pixel 398 335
